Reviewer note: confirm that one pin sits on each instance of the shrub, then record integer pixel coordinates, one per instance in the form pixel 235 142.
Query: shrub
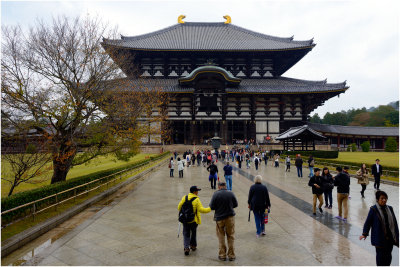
pixel 365 146
pixel 391 145
pixel 24 197
pixel 352 147
pixel 316 153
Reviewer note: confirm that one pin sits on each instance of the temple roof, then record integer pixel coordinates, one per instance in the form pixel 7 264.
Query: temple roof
pixel 279 85
pixel 300 132
pixel 355 130
pixel 201 36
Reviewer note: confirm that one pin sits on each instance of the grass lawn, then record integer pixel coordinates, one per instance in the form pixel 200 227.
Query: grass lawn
pixel 95 165
pixel 28 222
pixel 387 158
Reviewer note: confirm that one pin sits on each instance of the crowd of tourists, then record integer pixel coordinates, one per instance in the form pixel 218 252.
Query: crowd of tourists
pixel 381 219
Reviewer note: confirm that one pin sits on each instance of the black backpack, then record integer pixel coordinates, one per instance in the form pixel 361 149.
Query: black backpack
pixel 186 214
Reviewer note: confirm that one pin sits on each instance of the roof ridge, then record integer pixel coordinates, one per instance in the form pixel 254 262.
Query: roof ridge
pixel 141 36
pixel 186 24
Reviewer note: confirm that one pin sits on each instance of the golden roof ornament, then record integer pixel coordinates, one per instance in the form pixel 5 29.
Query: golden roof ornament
pixel 228 19
pixel 180 19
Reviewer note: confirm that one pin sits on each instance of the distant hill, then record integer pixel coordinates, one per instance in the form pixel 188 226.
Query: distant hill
pixel 381 116
pixel 394 104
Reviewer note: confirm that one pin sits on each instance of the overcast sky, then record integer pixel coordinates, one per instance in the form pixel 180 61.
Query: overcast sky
pixel 357 41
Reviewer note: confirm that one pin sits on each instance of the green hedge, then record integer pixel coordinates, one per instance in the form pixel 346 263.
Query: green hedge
pixel 332 154
pixel 21 198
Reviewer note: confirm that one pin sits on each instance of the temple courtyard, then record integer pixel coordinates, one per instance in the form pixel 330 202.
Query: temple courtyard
pixel 141 227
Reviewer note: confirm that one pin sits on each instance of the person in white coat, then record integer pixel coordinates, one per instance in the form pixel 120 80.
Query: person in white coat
pixel 180 168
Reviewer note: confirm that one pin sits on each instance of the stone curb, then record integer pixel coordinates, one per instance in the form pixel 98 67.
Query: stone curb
pixel 19 240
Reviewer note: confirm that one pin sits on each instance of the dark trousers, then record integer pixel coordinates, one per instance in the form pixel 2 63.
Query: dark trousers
pixel 213 183
pixel 287 167
pixel 299 171
pixel 377 181
pixel 181 174
pixel 363 187
pixel 171 172
pixel 328 196
pixel 240 164
pixel 384 255
pixel 189 235
pixel 256 166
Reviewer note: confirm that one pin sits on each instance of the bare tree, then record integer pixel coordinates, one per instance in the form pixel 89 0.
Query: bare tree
pixel 59 77
pixel 24 157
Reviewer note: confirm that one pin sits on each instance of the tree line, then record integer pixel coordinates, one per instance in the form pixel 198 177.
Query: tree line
pixel 381 116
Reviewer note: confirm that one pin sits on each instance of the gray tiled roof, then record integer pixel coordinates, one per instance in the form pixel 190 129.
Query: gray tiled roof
pixel 271 85
pixel 202 36
pixel 297 131
pixel 355 130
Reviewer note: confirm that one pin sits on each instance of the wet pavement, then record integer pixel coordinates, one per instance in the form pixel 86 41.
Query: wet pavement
pixel 141 227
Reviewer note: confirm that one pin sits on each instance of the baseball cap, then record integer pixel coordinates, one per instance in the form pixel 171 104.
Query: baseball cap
pixel 194 189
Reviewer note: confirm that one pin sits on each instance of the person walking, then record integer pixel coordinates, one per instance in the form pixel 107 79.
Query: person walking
pixel 247 161
pixel 256 162
pixel 228 175
pixel 276 160
pixel 287 160
pixel 175 154
pixel 171 167
pixel 384 229
pixel 213 169
pixel 265 158
pixel 180 167
pixel 190 228
pixel 223 202
pixel 188 159
pixel 362 176
pixel 376 170
pixel 317 184
pixel 239 159
pixel 311 163
pixel 198 157
pixel 299 165
pixel 342 182
pixel 328 187
pixel 258 201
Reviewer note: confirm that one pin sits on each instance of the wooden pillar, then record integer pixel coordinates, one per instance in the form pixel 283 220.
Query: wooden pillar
pixel 313 144
pixel 232 132
pixel 245 128
pixel 338 141
pixel 224 136
pixel 294 148
pixel 193 130
pixel 383 143
pixel 184 133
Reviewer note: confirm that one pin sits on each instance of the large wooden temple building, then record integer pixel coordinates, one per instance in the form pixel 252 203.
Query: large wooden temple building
pixel 223 79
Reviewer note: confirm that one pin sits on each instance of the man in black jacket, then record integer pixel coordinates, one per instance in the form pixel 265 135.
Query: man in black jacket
pixel 258 202
pixel 299 165
pixel 376 170
pixel 213 169
pixel 342 181
pixel 223 202
pixel 317 184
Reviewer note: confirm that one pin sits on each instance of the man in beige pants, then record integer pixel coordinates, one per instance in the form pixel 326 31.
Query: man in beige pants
pixel 223 202
pixel 342 181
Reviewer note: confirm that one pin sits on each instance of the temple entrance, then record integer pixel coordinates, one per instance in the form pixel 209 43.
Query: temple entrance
pixel 208 130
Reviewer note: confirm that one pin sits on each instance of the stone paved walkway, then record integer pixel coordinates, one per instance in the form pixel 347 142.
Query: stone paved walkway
pixel 141 229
